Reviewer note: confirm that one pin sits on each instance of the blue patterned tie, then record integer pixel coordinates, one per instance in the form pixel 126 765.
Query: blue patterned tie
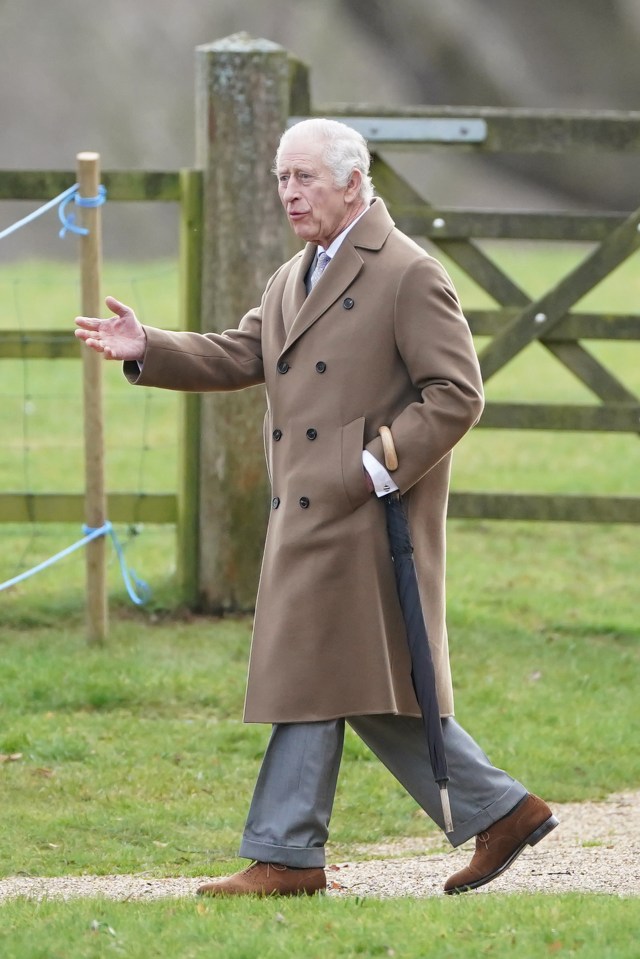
pixel 321 265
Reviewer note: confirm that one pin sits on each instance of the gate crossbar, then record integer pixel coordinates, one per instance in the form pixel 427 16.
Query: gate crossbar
pixel 535 320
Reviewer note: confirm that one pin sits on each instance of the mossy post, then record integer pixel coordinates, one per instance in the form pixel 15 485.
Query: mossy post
pixel 243 101
pixel 188 532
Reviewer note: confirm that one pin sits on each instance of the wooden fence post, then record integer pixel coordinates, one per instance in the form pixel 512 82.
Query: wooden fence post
pixel 188 535
pixel 243 101
pixel 88 173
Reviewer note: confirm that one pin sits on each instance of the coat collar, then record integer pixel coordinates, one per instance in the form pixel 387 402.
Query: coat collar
pixel 369 233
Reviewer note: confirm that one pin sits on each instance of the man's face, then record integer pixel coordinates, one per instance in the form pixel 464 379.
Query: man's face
pixel 317 209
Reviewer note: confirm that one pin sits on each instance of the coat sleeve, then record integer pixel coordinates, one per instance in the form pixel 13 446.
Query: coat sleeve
pixel 202 362
pixel 435 344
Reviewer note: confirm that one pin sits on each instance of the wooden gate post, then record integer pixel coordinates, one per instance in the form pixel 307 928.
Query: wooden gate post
pixel 243 101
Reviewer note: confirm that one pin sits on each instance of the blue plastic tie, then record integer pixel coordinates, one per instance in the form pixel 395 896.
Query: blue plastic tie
pixel 61 202
pixel 68 220
pixel 91 534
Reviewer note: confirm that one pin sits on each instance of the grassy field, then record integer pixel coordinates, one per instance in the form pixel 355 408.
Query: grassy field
pixel 583 926
pixel 132 757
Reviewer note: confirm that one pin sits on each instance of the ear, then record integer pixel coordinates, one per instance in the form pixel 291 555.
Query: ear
pixel 352 188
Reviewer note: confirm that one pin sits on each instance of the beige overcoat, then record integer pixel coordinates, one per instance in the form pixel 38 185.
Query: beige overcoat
pixel 381 340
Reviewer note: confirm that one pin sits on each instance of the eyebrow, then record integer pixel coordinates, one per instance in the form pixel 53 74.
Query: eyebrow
pixel 296 168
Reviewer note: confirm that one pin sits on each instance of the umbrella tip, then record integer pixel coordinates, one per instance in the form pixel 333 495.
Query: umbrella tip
pixel 446 808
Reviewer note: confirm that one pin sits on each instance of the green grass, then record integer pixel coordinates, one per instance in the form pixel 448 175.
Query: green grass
pixel 588 927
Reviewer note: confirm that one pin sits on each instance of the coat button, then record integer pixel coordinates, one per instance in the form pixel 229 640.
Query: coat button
pixel 277 435
pixel 275 502
pixel 304 502
pixel 321 366
pixel 283 366
pixel 311 433
pixel 348 303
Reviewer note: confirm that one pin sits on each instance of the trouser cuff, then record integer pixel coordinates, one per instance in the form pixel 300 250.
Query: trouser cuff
pixel 487 816
pixel 298 857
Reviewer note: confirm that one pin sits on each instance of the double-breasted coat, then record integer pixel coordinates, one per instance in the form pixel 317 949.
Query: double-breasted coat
pixel 381 340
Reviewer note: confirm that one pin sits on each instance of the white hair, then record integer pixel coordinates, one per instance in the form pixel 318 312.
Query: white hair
pixel 345 150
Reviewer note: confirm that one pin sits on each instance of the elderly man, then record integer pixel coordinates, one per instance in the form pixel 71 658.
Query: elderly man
pixel 359 330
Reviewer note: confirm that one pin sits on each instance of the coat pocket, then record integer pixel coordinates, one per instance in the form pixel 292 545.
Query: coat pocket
pixel 353 477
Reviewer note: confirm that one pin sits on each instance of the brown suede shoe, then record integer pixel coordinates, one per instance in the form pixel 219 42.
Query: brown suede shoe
pixel 501 844
pixel 268 879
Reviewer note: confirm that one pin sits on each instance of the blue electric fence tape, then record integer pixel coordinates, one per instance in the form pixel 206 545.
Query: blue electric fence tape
pixel 127 575
pixel 69 225
pixel 61 201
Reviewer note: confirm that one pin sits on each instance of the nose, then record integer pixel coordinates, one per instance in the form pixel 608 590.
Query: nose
pixel 289 190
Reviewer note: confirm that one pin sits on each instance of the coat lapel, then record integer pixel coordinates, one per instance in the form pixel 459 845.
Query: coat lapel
pixel 340 274
pixel 295 292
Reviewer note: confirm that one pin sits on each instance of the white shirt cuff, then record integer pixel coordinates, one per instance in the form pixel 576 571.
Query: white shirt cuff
pixel 382 482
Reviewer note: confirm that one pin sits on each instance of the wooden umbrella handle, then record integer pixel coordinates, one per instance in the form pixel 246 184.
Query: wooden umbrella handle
pixel 388 448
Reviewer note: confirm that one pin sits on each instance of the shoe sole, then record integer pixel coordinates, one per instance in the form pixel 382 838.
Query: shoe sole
pixel 543 830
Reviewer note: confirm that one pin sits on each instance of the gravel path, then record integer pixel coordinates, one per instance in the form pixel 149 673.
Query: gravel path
pixel 596 848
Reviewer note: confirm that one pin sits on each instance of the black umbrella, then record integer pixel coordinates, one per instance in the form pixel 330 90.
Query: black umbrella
pixel 422 671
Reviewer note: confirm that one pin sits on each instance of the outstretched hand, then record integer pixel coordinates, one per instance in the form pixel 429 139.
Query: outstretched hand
pixel 121 337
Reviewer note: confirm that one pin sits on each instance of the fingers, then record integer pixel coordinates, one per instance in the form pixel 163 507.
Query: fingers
pixel 90 341
pixel 88 331
pixel 88 337
pixel 117 307
pixel 93 323
pixel 86 323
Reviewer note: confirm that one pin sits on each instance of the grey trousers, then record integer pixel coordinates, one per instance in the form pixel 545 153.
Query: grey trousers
pixel 288 821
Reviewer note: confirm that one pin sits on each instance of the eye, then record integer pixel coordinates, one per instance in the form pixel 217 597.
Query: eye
pixel 283 178
pixel 305 177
